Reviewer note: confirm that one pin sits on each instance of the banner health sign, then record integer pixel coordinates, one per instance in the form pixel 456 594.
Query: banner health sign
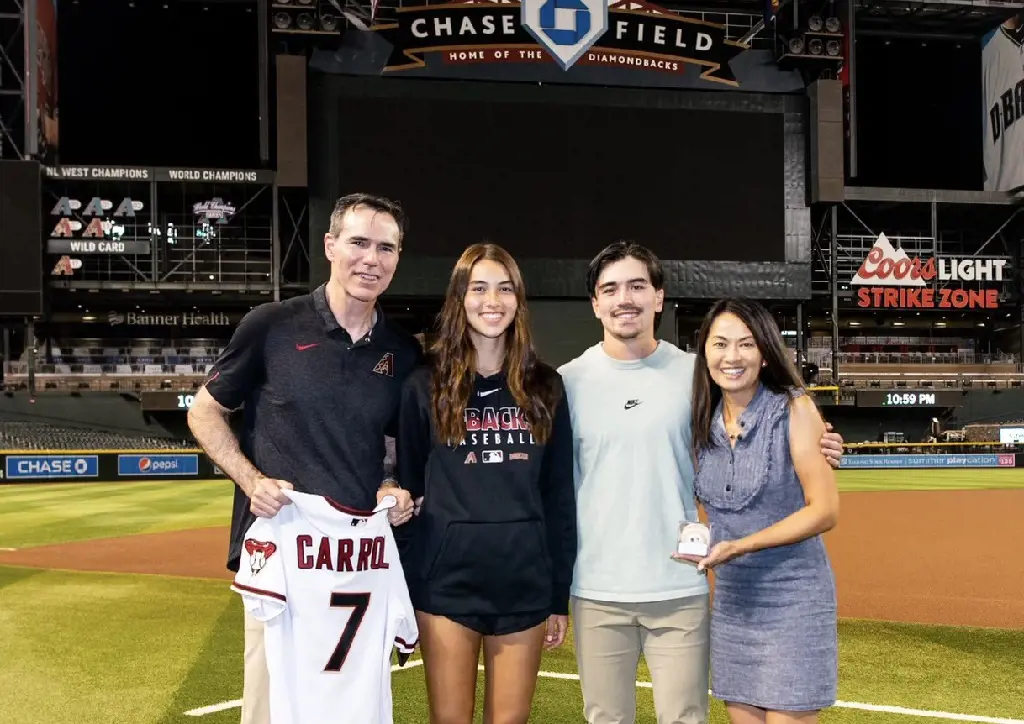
pixel 148 465
pixel 928 461
pixel 508 32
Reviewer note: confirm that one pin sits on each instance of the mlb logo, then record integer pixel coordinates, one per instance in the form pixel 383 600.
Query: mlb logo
pixel 492 456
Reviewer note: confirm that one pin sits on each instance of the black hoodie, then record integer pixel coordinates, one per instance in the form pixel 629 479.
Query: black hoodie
pixel 497 531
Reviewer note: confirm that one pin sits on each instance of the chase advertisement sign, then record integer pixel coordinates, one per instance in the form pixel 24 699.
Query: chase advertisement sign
pixel 575 34
pixel 51 467
pixel 105 466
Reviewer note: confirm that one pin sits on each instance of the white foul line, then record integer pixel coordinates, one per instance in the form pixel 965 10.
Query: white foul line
pixel 924 713
pixel 214 708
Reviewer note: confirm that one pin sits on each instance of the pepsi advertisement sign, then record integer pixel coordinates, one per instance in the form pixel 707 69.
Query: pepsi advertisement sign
pixel 150 465
pixel 51 467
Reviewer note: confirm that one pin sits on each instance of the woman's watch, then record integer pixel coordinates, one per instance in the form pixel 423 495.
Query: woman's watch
pixel 389 483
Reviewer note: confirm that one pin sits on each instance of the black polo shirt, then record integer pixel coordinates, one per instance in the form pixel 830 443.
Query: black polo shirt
pixel 316 405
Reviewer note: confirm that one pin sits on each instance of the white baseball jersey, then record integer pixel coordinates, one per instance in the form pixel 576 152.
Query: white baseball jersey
pixel 1002 67
pixel 328 584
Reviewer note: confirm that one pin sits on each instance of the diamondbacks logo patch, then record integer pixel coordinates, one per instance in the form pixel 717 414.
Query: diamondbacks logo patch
pixel 259 553
pixel 386 366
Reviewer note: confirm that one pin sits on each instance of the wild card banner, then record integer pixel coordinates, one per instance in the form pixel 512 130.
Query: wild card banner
pixel 626 42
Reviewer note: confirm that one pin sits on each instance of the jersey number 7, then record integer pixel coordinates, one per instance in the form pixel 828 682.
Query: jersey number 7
pixel 358 602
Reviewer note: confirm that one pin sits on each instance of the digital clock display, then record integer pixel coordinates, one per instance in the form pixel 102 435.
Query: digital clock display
pixel 909 398
pixel 166 401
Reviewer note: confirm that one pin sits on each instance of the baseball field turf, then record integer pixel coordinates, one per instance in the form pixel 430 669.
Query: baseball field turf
pixel 114 606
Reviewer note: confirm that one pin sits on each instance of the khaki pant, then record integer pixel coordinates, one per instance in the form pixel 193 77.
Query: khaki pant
pixel 674 637
pixel 256 683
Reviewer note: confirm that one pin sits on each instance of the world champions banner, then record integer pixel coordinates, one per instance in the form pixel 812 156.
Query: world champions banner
pixel 493 33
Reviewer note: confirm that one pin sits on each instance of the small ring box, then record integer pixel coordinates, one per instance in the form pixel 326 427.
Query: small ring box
pixel 694 539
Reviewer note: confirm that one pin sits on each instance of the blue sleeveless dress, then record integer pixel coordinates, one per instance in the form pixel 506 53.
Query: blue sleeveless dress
pixel 773 619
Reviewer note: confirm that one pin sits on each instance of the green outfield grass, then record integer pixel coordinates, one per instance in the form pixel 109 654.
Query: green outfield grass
pixel 102 647
pixel 33 515
pixel 147 649
pixel 852 481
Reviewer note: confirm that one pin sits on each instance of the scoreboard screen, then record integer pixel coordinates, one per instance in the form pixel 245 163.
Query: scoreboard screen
pixel 549 173
pixel 166 401
pixel 909 398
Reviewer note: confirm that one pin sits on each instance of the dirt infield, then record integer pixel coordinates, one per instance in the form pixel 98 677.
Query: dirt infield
pixel 950 557
pixel 200 553
pixel 929 557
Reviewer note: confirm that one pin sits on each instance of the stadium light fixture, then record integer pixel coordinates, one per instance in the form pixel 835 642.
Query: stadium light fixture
pixel 811 44
pixel 307 17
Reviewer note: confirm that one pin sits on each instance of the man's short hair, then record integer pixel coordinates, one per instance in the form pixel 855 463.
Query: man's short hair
pixel 617 252
pixel 377 203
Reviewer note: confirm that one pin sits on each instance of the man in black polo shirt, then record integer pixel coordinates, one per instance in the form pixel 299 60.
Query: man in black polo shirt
pixel 318 377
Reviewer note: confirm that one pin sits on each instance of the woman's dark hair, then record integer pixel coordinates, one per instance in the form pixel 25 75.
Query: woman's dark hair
pixel 779 374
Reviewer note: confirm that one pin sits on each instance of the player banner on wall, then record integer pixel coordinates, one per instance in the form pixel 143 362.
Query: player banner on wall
pixel 1002 69
pixel 622 42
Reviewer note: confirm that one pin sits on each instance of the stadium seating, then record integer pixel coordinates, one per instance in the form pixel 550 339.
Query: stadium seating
pixel 132 365
pixel 886 362
pixel 894 362
pixel 18 435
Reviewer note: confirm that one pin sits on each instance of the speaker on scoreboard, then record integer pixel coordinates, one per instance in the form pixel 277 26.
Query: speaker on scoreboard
pixel 21 239
pixel 291 120
pixel 827 179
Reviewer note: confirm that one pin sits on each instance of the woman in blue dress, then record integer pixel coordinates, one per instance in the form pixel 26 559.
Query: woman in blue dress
pixel 769 494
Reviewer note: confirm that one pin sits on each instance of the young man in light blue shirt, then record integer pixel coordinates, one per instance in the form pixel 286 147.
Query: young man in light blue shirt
pixel 630 399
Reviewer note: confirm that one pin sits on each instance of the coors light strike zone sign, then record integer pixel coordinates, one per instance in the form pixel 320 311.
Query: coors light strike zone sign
pixel 891 279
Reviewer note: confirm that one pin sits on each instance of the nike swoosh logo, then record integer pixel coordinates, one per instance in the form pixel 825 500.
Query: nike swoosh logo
pixel 489 392
pixel 304 347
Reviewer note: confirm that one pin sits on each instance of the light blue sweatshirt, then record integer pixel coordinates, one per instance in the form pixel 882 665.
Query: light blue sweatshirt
pixel 633 474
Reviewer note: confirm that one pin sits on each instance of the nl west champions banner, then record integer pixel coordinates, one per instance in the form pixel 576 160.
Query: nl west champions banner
pixel 1002 68
pixel 613 42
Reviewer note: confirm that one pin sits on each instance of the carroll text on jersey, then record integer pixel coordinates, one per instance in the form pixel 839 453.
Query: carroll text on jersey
pixel 368 553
